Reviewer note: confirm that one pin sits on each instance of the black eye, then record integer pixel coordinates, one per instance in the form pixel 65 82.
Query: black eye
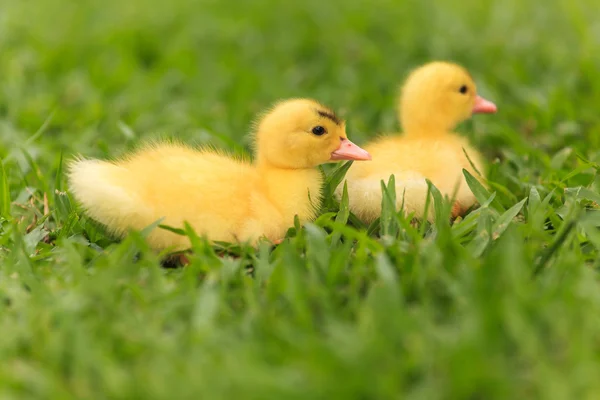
pixel 319 130
pixel 463 89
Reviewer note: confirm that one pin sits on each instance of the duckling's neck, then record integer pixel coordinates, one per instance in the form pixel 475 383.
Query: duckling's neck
pixel 432 127
pixel 292 191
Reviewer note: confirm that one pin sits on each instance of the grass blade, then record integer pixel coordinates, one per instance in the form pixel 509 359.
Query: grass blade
pixel 336 177
pixel 177 231
pixel 505 219
pixel 341 217
pixel 146 231
pixel 62 203
pixel 388 227
pixel 558 242
pixel 480 192
pixel 438 202
pixel 470 221
pixel 482 239
pixel 4 193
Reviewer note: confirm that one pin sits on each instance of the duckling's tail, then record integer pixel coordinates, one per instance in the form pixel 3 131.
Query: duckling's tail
pixel 105 191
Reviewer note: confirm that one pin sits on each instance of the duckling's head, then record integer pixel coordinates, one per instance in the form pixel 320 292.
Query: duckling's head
pixel 301 133
pixel 438 96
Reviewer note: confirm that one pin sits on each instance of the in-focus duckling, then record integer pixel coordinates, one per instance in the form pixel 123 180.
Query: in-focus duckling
pixel 223 198
pixel 435 98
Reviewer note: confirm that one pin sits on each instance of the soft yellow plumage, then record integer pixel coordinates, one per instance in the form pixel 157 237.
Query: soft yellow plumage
pixel 224 198
pixel 434 99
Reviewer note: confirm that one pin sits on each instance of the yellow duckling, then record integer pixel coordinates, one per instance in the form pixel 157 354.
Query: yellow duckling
pixel 435 98
pixel 223 198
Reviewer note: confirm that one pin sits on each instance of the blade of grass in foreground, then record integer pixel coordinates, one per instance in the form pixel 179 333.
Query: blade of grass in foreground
pixel 505 219
pixel 4 194
pixel 62 203
pixel 336 177
pixel 341 217
pixel 561 238
pixel 387 221
pixel 480 192
pixel 470 221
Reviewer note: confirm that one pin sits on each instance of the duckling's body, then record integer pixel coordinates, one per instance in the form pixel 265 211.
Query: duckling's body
pixel 410 173
pixel 431 106
pixel 163 182
pixel 223 198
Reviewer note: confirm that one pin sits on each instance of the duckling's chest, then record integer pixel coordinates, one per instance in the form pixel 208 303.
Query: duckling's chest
pixel 294 193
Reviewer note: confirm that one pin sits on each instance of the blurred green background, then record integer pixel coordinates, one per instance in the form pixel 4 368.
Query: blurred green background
pixel 198 68
pixel 426 313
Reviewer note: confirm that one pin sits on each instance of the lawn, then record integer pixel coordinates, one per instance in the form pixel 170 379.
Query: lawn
pixel 503 304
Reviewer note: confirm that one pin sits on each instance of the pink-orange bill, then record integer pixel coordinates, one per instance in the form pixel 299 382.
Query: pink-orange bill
pixel 483 106
pixel 349 151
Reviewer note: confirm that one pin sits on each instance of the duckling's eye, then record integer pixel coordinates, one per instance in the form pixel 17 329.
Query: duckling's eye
pixel 319 130
pixel 463 89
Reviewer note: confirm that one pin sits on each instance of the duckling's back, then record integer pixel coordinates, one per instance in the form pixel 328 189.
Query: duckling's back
pixel 202 187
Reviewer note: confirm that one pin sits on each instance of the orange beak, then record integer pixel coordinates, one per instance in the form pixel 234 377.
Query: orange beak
pixel 349 151
pixel 483 106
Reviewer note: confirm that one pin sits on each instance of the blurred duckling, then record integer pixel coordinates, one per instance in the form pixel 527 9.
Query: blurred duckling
pixel 222 198
pixel 435 98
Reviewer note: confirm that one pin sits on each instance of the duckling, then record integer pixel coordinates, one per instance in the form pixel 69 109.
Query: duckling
pixel 434 99
pixel 221 197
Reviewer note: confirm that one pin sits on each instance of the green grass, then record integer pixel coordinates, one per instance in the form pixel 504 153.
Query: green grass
pixel 501 305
